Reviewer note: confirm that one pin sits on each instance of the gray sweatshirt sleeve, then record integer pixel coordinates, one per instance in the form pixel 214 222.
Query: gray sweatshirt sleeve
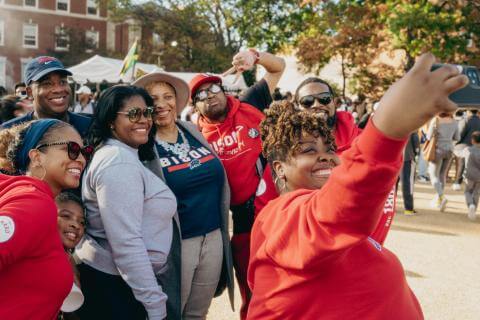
pixel 120 194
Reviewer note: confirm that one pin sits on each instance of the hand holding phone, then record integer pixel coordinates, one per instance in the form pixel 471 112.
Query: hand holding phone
pixel 469 96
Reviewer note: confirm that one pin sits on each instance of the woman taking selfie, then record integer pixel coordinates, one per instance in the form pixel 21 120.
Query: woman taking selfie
pixel 312 243
pixel 45 157
pixel 179 155
pixel 129 214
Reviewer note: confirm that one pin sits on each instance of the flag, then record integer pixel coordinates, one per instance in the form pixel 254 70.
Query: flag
pixel 130 59
pixel 139 73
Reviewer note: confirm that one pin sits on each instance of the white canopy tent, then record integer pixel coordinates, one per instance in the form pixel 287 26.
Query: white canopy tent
pixel 98 68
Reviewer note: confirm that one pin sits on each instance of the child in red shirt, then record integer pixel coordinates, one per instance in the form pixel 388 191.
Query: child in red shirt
pixel 312 256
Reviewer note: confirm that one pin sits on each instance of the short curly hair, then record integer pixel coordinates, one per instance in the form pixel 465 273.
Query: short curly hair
pixel 283 127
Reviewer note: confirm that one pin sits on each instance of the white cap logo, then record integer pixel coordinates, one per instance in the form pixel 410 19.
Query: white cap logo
pixel 7 228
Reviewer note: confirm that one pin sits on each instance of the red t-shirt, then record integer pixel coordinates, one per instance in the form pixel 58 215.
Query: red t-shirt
pixel 345 132
pixel 311 254
pixel 237 143
pixel 35 273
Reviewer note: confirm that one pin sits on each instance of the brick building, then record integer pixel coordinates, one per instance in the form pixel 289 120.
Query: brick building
pixel 29 28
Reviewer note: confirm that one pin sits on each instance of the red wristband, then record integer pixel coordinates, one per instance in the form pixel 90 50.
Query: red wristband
pixel 257 55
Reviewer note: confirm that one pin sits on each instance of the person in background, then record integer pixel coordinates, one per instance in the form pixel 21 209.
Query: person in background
pixel 407 174
pixel 446 130
pixel 317 96
pixel 84 103
pixel 47 85
pixel 277 95
pixel 21 90
pixel 469 126
pixel 129 214
pixel 179 155
pixel 3 91
pixel 312 243
pixel 472 175
pixel 231 126
pixel 71 226
pixel 44 157
pixel 10 108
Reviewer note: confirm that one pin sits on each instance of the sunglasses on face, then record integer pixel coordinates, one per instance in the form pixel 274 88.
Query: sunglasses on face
pixel 73 149
pixel 323 98
pixel 203 94
pixel 135 114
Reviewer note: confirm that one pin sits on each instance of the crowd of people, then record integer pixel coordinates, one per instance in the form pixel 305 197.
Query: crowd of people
pixel 122 200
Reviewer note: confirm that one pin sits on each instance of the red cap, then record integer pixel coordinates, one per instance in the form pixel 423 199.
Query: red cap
pixel 200 79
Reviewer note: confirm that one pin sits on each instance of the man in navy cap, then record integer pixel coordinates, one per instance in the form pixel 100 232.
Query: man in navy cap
pixel 47 85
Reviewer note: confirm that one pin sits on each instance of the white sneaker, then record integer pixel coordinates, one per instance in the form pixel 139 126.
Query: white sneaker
pixel 472 212
pixel 456 187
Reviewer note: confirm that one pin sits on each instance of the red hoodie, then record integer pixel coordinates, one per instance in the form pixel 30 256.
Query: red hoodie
pixel 311 254
pixel 345 131
pixel 35 274
pixel 237 143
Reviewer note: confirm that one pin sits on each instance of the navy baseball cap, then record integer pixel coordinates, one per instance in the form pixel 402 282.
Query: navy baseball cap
pixel 41 66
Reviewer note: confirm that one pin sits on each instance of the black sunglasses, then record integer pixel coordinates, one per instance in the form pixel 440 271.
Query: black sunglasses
pixel 73 149
pixel 203 94
pixel 323 98
pixel 134 114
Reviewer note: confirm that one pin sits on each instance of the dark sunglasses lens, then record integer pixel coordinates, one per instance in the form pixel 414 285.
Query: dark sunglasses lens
pixel 134 114
pixel 148 112
pixel 325 100
pixel 307 101
pixel 87 152
pixel 73 149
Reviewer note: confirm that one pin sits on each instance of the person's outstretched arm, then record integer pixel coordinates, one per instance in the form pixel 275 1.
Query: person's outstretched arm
pixel 313 226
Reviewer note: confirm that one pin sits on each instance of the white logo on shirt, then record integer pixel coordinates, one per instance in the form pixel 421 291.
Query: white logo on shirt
pixel 7 228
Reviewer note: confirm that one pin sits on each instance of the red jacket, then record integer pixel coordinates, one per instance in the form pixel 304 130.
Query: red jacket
pixel 345 132
pixel 238 145
pixel 35 274
pixel 311 254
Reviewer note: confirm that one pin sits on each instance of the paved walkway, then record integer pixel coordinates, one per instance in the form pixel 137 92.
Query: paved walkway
pixel 440 253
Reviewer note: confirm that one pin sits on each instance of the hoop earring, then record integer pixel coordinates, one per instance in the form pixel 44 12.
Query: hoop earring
pixel 44 172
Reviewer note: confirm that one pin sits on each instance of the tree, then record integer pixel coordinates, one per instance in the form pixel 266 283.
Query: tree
pixel 344 30
pixel 181 35
pixel 356 32
pixel 445 28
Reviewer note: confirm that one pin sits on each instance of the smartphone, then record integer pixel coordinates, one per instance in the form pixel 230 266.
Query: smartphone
pixel 469 96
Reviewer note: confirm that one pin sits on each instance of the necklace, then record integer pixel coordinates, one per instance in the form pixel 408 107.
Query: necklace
pixel 179 149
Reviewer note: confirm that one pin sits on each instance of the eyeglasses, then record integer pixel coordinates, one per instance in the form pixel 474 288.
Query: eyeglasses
pixel 203 94
pixel 135 114
pixel 73 149
pixel 323 98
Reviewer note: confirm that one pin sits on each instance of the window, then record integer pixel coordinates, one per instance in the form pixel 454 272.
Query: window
pixel 92 7
pixel 30 35
pixel 23 65
pixel 92 39
pixel 30 3
pixel 62 39
pixel 2 32
pixel 62 5
pixel 3 75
